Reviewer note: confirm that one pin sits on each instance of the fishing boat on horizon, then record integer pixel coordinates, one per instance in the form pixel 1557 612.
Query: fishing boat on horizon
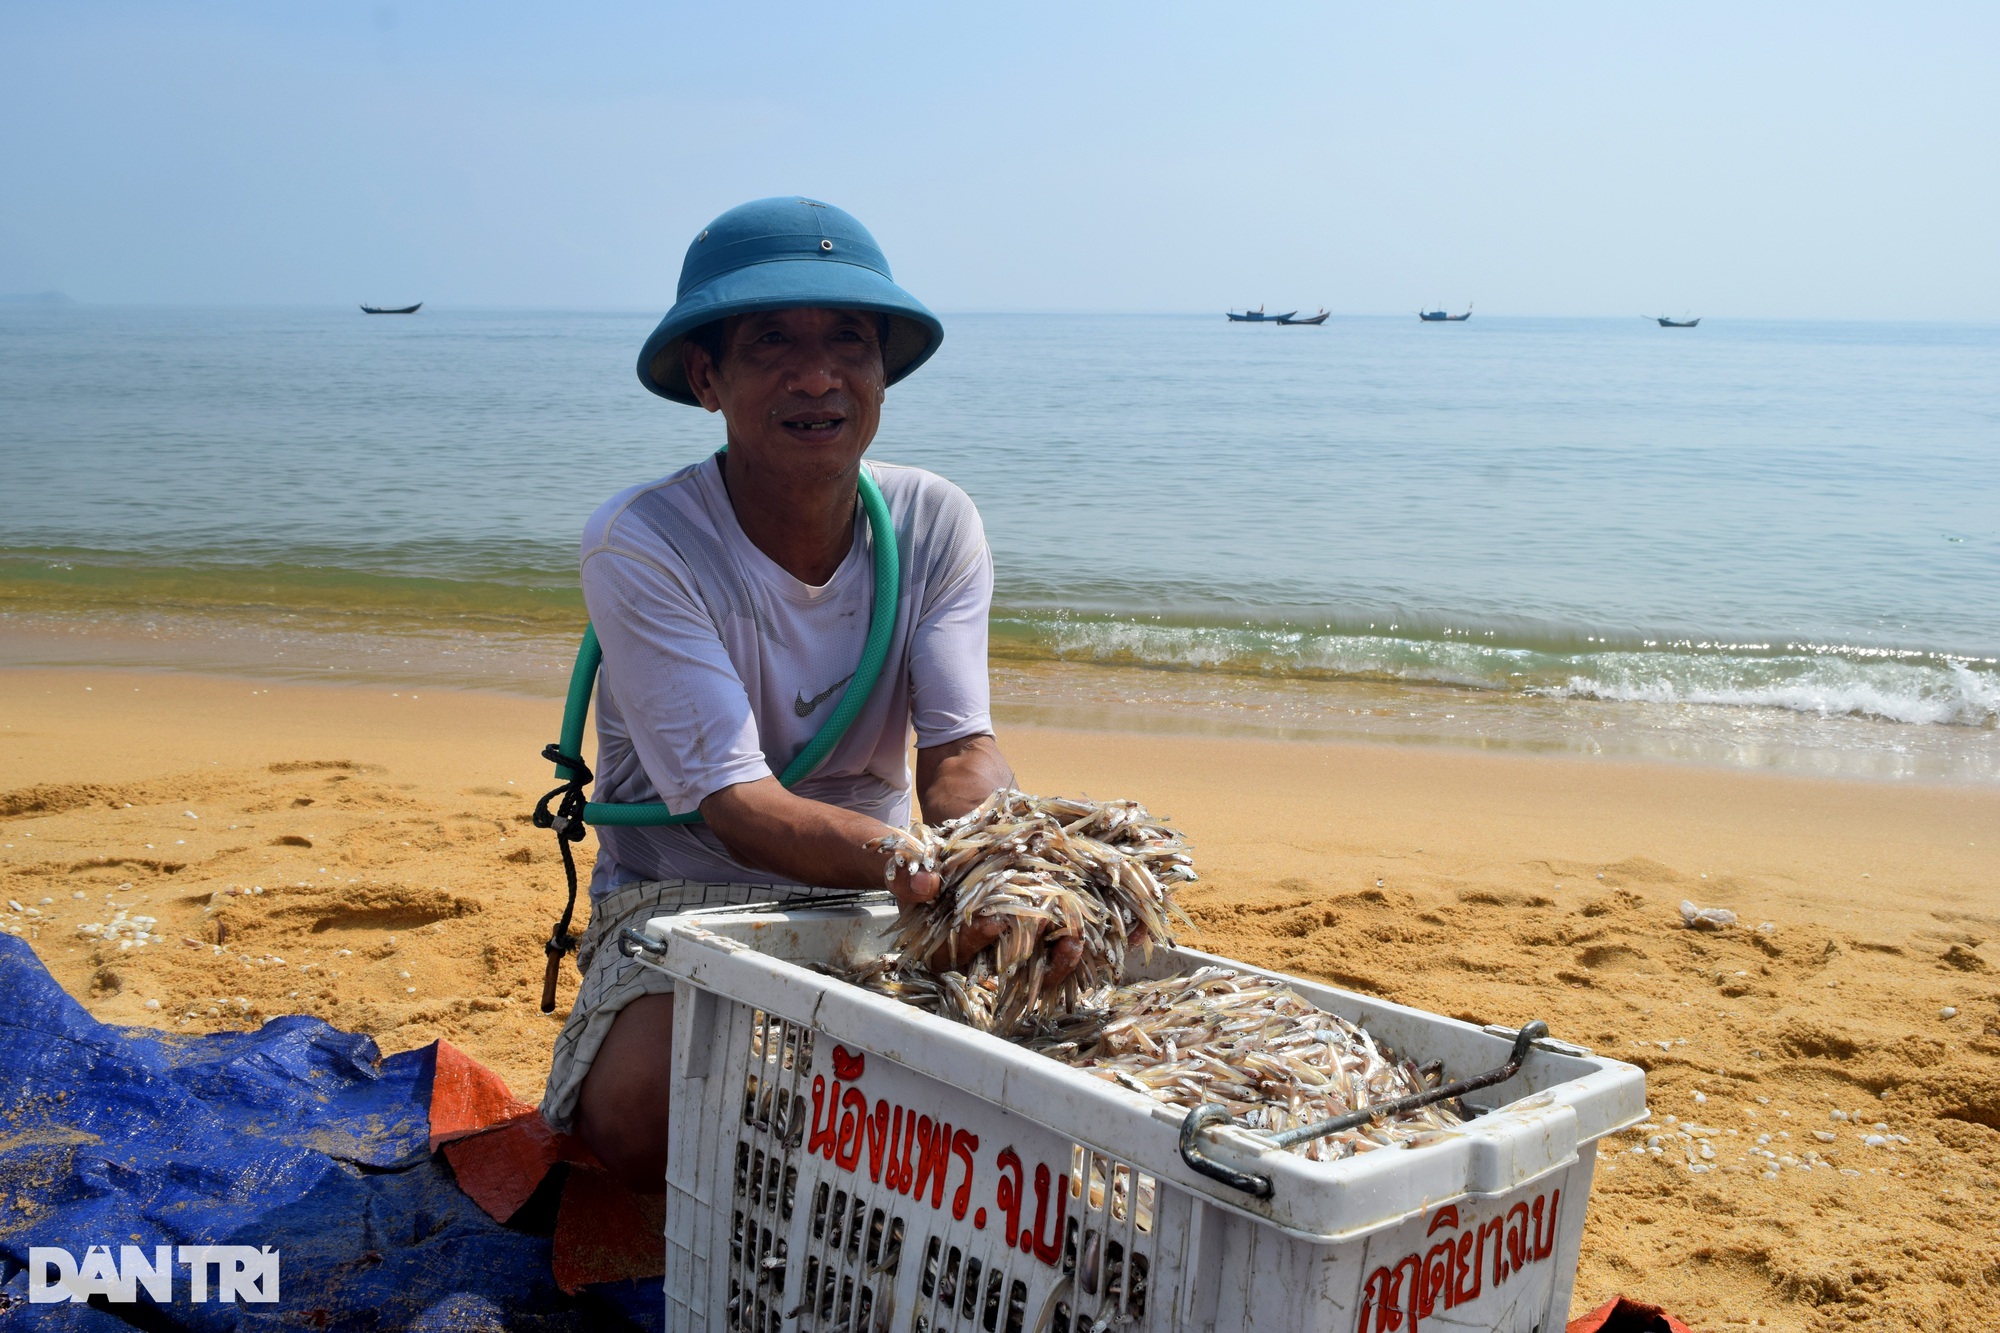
pixel 1258 316
pixel 1440 317
pixel 1666 323
pixel 392 310
pixel 1314 320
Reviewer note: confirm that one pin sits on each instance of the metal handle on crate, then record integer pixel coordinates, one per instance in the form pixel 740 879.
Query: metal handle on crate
pixel 1212 1113
pixel 630 940
pixel 1530 1032
pixel 1260 1185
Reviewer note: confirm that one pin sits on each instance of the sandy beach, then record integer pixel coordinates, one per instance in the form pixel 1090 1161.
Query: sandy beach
pixel 363 853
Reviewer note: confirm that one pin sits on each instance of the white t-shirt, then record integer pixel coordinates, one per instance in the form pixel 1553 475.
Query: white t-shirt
pixel 719 667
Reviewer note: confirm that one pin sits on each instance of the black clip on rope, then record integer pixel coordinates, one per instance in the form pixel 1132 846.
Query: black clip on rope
pixel 1258 1184
pixel 567 821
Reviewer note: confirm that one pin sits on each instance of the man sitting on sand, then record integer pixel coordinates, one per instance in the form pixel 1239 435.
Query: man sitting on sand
pixel 732 600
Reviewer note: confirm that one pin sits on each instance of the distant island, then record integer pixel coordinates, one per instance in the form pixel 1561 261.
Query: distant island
pixel 35 298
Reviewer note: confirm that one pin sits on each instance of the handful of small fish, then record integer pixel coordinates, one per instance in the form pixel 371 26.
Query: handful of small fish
pixel 1102 872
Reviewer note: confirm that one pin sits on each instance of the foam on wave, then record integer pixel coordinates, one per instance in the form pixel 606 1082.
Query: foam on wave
pixel 1894 684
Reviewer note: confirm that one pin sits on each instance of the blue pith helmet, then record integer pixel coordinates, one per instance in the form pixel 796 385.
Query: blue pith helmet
pixel 781 254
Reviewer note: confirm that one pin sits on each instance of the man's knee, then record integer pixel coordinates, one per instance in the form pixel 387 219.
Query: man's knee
pixel 621 1110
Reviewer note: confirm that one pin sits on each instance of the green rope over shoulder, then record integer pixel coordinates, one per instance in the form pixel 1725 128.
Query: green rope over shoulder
pixel 874 653
pixel 574 812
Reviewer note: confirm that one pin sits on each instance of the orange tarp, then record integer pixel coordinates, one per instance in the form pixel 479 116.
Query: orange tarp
pixel 501 1151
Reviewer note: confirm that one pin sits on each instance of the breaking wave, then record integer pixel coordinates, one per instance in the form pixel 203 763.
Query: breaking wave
pixel 1946 694
pixel 1828 680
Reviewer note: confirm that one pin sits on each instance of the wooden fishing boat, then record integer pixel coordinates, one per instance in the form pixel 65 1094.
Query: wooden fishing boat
pixel 392 310
pixel 1318 319
pixel 1440 317
pixel 1258 316
pixel 1666 323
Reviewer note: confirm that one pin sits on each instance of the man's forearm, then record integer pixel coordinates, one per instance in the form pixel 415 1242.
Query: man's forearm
pixel 955 777
pixel 765 826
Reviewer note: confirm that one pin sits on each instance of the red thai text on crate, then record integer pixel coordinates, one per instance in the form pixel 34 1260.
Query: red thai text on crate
pixel 1452 1271
pixel 922 1157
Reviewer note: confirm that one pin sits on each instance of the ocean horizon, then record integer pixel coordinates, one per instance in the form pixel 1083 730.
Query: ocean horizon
pixel 1760 543
pixel 652 313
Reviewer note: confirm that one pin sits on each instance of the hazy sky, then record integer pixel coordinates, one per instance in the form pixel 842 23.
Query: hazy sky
pixel 1728 159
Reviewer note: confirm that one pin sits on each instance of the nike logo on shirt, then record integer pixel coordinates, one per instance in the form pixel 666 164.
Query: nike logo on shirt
pixel 804 706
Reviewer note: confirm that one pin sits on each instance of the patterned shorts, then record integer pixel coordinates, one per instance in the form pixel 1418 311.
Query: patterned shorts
pixel 612 980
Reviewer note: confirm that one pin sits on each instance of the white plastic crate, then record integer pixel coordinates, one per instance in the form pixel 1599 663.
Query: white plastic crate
pixel 838 1160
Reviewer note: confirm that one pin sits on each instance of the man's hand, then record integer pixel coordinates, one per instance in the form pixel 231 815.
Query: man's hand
pixel 914 887
pixel 952 779
pixel 909 885
pixel 1065 951
pixel 911 888
pixel 765 826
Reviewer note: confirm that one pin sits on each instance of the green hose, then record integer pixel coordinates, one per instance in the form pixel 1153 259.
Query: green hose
pixel 874 653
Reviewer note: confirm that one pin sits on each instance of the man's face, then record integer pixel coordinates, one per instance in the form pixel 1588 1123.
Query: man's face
pixel 798 388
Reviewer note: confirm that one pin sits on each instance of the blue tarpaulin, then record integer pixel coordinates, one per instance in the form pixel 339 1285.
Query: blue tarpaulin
pixel 298 1137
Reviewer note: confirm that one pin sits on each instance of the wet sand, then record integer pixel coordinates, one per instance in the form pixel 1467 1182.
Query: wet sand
pixel 403 893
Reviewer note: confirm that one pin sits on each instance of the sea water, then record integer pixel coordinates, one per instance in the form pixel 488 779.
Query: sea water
pixel 1752 542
